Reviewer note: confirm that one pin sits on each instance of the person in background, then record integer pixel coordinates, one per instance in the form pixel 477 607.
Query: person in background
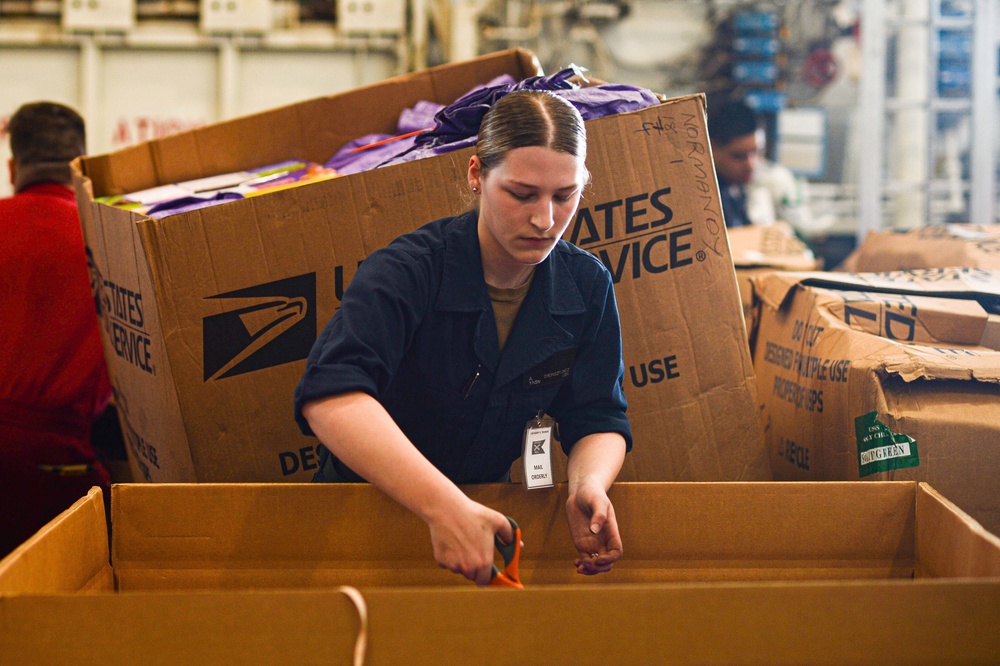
pixel 455 336
pixel 53 378
pixel 753 189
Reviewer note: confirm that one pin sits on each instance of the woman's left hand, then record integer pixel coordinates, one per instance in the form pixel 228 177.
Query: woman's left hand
pixel 594 529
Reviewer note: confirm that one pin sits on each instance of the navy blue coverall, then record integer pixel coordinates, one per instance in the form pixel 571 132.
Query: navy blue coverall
pixel 416 331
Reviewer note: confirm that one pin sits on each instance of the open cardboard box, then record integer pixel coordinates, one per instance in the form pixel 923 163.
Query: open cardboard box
pixel 207 316
pixel 883 572
pixel 885 377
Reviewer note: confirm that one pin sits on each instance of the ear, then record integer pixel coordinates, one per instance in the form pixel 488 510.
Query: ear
pixel 475 175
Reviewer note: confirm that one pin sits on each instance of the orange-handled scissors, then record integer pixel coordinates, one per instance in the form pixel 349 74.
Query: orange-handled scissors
pixel 510 576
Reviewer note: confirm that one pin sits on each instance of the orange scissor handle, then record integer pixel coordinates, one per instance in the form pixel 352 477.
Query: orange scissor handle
pixel 511 552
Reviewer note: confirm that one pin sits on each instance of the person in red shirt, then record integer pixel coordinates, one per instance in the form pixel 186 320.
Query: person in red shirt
pixel 53 378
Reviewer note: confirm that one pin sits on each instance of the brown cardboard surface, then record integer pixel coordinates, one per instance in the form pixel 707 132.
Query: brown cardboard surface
pixel 772 246
pixel 890 360
pixel 254 536
pixel 759 250
pixel 949 245
pixel 950 548
pixel 209 315
pixel 901 622
pixel 703 531
pixel 991 333
pixel 71 553
pixel 874 613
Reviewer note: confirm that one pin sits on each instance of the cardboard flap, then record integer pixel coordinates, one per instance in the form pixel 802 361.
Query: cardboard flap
pixel 222 627
pixel 946 282
pixel 105 178
pixel 128 311
pixel 884 622
pixel 940 321
pixel 950 544
pixel 970 283
pixel 929 363
pixel 69 554
pixel 775 289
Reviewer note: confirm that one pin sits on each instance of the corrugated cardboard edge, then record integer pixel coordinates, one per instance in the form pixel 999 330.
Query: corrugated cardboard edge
pixel 950 544
pixel 69 554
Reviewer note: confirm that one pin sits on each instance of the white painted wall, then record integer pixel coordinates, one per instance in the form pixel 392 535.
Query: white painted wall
pixel 174 79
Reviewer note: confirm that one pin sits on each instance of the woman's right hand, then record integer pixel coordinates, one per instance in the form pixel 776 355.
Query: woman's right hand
pixel 462 535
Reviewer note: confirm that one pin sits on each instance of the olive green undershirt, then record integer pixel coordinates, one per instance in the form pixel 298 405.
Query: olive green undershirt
pixel 506 303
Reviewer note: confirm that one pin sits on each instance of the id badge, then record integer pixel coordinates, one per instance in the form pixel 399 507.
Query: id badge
pixel 537 452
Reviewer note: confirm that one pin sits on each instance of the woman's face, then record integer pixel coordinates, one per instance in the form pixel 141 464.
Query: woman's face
pixel 525 206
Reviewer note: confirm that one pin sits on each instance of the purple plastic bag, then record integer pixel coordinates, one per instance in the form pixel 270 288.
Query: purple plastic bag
pixel 184 204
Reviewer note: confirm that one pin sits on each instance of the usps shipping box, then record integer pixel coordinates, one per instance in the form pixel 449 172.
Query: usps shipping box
pixel 208 315
pixel 884 376
pixel 303 574
pixel 966 245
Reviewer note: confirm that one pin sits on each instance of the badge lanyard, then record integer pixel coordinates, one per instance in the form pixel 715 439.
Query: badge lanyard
pixel 537 452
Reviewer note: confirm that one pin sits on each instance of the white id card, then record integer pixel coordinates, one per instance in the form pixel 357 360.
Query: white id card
pixel 537 452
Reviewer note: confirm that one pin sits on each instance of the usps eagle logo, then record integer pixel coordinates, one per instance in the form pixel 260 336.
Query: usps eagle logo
pixel 262 326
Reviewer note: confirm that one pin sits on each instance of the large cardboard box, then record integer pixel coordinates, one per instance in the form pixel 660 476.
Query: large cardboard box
pixel 884 376
pixel 208 315
pixel 966 245
pixel 790 573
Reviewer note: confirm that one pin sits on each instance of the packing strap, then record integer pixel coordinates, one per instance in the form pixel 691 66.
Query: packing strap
pixel 361 642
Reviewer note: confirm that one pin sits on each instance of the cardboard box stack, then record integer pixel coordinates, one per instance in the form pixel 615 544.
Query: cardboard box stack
pixel 887 572
pixel 946 246
pixel 208 315
pixel 949 245
pixel 884 377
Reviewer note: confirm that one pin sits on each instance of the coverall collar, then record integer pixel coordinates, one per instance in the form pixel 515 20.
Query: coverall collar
pixel 462 292
pixel 536 334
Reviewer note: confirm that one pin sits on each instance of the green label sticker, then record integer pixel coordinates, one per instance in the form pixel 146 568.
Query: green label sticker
pixel 880 449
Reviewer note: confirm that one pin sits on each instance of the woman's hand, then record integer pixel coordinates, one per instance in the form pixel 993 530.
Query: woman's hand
pixel 594 462
pixel 357 429
pixel 462 535
pixel 594 529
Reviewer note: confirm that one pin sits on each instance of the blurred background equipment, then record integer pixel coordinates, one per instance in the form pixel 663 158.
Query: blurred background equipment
pixel 884 111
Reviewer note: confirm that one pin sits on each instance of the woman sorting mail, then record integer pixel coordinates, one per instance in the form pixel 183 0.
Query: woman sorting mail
pixel 457 339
